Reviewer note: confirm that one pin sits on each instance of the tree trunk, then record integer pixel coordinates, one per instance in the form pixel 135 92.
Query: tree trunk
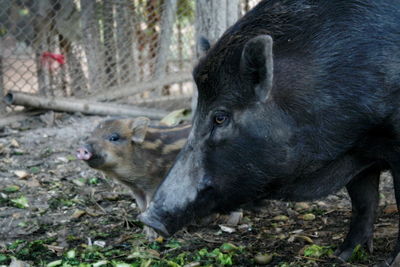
pixel 110 51
pixel 213 17
pixel 67 24
pixel 167 25
pixel 92 44
pixel 2 91
pixel 152 34
pixel 42 30
pixel 78 84
pixel 5 4
pixel 125 42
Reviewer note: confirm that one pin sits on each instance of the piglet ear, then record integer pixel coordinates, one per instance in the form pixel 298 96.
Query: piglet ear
pixel 257 64
pixel 139 129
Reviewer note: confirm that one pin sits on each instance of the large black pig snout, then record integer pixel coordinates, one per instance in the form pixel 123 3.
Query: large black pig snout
pixel 153 222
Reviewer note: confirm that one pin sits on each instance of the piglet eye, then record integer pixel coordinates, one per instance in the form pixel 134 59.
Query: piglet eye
pixel 114 137
pixel 220 118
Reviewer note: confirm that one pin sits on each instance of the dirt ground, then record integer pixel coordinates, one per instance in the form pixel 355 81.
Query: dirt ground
pixel 47 194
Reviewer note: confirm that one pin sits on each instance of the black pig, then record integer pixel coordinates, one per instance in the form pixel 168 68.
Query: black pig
pixel 296 100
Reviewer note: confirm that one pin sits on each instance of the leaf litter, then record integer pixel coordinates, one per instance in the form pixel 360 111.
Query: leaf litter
pixel 55 211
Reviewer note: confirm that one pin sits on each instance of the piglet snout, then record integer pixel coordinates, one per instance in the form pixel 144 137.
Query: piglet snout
pixel 83 153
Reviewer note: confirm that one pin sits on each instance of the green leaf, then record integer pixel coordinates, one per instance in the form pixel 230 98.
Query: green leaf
pixel 316 251
pixel 11 189
pixel 71 157
pixel 22 224
pixel 71 254
pixel 93 180
pixel 21 202
pixel 100 263
pixel 173 244
pixel 228 247
pixel 176 117
pixel 54 263
pixel 3 258
pixel 121 264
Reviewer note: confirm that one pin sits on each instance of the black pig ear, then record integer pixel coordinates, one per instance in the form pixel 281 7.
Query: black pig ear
pixel 203 45
pixel 139 129
pixel 257 64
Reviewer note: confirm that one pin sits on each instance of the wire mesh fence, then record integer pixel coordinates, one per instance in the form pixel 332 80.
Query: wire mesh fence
pixel 133 51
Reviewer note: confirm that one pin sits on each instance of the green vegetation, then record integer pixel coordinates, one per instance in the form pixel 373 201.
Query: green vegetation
pixel 359 254
pixel 135 253
pixel 315 251
pixel 21 202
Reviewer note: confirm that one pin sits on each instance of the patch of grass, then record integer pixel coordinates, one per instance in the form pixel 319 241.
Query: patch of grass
pixel 318 211
pixel 71 158
pixel 57 202
pixel 171 253
pixel 21 202
pixel 34 251
pixel 315 251
pixel 93 181
pixel 46 152
pixel 95 234
pixel 359 255
pixel 34 170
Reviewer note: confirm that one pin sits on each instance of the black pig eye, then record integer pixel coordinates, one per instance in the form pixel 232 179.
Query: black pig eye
pixel 220 118
pixel 114 137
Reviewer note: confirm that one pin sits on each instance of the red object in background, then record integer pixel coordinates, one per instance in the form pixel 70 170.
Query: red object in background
pixel 52 60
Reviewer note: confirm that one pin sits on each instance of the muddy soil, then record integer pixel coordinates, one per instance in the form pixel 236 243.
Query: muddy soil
pixel 46 193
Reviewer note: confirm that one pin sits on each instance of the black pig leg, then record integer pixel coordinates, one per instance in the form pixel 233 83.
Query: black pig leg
pixel 363 190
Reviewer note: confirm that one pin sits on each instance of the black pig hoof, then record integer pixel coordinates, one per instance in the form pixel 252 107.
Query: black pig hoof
pixel 343 255
pixel 345 252
pixel 155 224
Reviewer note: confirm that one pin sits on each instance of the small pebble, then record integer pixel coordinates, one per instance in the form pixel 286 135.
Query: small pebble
pixel 280 218
pixel 308 217
pixel 301 206
pixel 263 259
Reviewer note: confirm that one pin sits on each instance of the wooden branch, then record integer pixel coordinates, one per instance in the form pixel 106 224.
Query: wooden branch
pixel 162 99
pixel 75 105
pixel 133 88
pixel 165 102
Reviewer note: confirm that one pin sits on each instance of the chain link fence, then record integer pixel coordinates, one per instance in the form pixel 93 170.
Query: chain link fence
pixel 133 51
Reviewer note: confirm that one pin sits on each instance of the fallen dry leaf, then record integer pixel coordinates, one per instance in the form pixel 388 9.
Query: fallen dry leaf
pixel 14 143
pixel 21 174
pixel 77 214
pixel 227 229
pixel 280 218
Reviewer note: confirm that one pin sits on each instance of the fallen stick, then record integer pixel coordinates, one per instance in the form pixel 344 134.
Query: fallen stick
pixel 133 88
pixel 162 99
pixel 83 106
